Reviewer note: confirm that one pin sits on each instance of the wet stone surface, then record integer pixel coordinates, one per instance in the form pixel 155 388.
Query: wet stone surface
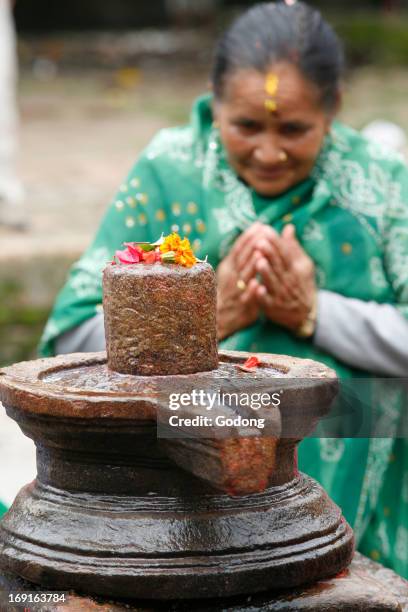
pixel 366 586
pixel 100 378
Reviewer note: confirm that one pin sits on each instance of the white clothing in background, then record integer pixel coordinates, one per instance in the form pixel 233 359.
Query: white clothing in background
pixel 11 191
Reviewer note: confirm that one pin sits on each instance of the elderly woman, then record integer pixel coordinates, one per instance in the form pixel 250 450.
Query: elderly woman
pixel 306 223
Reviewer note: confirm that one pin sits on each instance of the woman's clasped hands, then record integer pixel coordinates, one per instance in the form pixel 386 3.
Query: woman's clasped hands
pixel 265 272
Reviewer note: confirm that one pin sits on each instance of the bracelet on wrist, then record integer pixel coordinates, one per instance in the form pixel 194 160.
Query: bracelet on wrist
pixel 307 328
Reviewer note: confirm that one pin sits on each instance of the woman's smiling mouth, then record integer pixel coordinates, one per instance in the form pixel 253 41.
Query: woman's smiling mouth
pixel 271 172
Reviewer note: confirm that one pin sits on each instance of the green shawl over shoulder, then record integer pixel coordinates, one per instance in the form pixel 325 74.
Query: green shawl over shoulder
pixel 351 216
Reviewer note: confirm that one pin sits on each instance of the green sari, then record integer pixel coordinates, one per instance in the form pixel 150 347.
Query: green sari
pixel 351 217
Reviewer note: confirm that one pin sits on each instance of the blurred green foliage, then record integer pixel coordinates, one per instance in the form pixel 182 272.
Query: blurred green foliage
pixel 373 31
pixel 374 38
pixel 21 324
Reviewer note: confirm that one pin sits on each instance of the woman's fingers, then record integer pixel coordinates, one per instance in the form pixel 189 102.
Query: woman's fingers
pixel 265 300
pixel 248 271
pixel 292 257
pixel 279 264
pixel 290 240
pixel 289 232
pixel 279 275
pixel 267 246
pixel 286 254
pixel 277 259
pixel 251 238
pixel 269 278
pixel 249 295
pixel 246 236
pixel 291 244
pixel 243 254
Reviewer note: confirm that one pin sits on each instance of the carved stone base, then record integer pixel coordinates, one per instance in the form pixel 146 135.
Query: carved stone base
pixel 365 587
pixel 117 512
pixel 169 547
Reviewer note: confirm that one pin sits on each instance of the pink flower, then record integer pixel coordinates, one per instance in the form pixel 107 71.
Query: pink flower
pixel 134 248
pixel 131 255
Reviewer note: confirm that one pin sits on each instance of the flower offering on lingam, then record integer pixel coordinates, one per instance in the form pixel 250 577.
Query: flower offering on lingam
pixel 168 249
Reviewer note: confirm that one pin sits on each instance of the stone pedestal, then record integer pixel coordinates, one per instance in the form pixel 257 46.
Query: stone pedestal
pixel 364 587
pixel 112 513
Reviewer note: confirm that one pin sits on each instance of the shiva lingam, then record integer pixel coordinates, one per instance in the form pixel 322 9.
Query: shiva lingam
pixel 117 511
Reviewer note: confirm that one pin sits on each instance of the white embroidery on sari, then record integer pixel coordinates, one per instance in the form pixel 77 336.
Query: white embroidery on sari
pixel 374 198
pixel 377 273
pixel 401 543
pixel 385 545
pixel 386 408
pixel 338 139
pixel 321 277
pixel 322 189
pixel 224 220
pixel 211 160
pixel 386 412
pixel 377 462
pixel 312 231
pixel 238 213
pixel 331 449
pixel 352 188
pixel 177 144
pixel 396 260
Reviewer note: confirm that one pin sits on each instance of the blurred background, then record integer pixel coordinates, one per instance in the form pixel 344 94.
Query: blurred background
pixel 96 80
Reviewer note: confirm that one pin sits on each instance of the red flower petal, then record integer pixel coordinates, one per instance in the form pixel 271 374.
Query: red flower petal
pixel 150 257
pixel 252 362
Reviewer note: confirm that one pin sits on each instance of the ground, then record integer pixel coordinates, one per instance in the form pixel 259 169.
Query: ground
pixel 80 133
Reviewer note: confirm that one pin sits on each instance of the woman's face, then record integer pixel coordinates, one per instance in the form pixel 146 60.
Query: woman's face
pixel 258 140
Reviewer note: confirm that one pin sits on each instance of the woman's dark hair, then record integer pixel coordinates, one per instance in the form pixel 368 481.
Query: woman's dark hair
pixel 271 32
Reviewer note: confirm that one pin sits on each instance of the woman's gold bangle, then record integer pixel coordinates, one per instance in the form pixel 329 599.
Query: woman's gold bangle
pixel 308 327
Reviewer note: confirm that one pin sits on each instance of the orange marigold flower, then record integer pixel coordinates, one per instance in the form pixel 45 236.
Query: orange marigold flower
pixel 186 259
pixel 183 253
pixel 170 243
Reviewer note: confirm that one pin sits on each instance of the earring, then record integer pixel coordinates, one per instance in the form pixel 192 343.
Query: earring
pixel 215 125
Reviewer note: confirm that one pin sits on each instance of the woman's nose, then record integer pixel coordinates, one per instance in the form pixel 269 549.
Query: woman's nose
pixel 267 151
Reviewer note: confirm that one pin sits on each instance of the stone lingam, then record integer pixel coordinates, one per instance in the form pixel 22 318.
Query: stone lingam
pixel 199 520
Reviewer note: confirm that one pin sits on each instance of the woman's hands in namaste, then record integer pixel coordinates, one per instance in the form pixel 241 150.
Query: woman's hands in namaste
pixel 234 310
pixel 265 272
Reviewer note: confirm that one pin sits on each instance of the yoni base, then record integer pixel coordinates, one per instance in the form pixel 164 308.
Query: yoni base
pixel 365 587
